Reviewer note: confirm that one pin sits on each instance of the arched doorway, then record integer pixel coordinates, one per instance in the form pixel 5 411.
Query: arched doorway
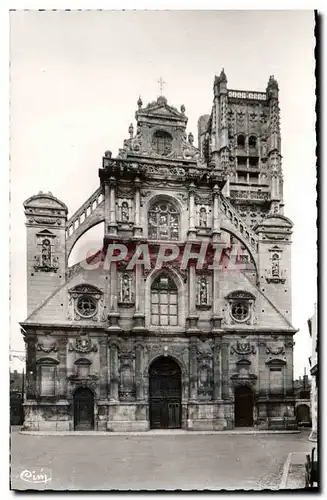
pixel 83 410
pixel 243 406
pixel 303 415
pixel 165 394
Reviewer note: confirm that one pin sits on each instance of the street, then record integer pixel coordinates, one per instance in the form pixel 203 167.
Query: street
pixel 166 461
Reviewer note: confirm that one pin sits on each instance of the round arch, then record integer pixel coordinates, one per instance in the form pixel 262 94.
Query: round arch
pixel 165 197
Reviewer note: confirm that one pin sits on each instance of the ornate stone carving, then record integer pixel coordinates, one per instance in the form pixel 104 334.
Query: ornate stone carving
pixel 203 296
pixel 275 274
pixel 275 350
pixel 189 151
pixel 243 347
pixel 83 346
pixel 45 260
pixel 47 349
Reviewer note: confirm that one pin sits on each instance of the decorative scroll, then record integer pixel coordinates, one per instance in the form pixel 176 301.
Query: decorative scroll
pixel 53 347
pixel 243 348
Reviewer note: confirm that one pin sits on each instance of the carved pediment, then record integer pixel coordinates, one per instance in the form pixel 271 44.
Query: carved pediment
pixel 162 109
pixel 276 362
pixel 45 200
pixel 85 288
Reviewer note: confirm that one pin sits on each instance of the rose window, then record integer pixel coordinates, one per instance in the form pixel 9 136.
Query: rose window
pixel 240 311
pixel 86 306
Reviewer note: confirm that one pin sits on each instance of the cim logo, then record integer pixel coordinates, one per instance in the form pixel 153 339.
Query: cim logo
pixel 36 476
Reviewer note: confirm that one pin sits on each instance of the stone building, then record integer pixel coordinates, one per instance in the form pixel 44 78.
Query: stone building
pixel 202 340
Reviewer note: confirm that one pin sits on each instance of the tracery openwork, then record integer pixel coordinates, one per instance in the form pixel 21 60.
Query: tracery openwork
pixel 163 222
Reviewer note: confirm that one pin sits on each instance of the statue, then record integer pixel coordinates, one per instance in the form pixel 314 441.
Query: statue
pixel 203 291
pixel 126 291
pixel 46 253
pixel 203 217
pixel 124 212
pixel 275 266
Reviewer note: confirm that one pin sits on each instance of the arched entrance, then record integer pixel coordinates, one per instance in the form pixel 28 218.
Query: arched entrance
pixel 165 386
pixel 83 410
pixel 303 415
pixel 243 406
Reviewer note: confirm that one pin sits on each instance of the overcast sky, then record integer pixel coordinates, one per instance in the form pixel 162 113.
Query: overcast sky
pixel 75 80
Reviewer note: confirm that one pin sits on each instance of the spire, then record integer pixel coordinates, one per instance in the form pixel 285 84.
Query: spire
pixel 139 102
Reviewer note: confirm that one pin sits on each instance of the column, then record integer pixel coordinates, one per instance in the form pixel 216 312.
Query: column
pixel 112 207
pixel 192 315
pixel 216 224
pixel 137 230
pixel 103 355
pixel 216 370
pixel 113 315
pixel 193 370
pixel 289 391
pixel 139 295
pixel 62 367
pixel 225 369
pixel 114 373
pixel 106 205
pixel 191 230
pixel 139 371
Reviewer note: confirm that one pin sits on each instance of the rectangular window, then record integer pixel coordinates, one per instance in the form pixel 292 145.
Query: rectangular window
pixel 48 380
pixel 276 381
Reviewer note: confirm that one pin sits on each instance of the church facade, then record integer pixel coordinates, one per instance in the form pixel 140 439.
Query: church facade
pixel 183 318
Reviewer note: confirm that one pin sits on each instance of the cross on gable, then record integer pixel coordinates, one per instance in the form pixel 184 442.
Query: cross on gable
pixel 161 84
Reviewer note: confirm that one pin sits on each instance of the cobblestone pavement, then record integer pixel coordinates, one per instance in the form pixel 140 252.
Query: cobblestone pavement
pixel 167 462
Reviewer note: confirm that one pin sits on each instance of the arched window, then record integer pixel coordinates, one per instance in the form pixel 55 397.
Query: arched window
pixel 252 142
pixel 164 303
pixel 241 141
pixel 162 143
pixel 163 222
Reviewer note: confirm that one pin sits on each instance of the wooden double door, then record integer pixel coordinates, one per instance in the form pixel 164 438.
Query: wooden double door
pixel 244 402
pixel 165 394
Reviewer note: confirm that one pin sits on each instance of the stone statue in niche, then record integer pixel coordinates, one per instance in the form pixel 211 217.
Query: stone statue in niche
pixel 203 217
pixel 203 292
pixel 46 253
pixel 126 288
pixel 124 211
pixel 275 266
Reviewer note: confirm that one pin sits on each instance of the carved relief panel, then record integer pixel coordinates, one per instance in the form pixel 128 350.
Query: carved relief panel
pixel 127 375
pixel 203 211
pixel 45 260
pixel 275 274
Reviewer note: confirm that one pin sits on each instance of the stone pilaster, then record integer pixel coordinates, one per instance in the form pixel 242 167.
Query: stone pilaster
pixel 106 206
pixel 193 370
pixel 216 369
pixel 139 315
pixel 31 374
pixel 139 368
pixel 62 367
pixel 215 221
pixel 192 317
pixel 289 389
pixel 114 372
pixel 113 315
pixel 225 369
pixel 103 355
pixel 263 370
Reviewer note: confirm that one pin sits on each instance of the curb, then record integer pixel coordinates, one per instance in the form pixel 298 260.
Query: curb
pixel 153 433
pixel 286 469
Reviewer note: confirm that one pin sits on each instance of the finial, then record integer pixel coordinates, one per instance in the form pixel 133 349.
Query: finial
pixel 190 138
pixel 272 83
pixel 131 130
pixel 223 77
pixel 139 102
pixel 182 108
pixel 40 192
pixel 108 154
